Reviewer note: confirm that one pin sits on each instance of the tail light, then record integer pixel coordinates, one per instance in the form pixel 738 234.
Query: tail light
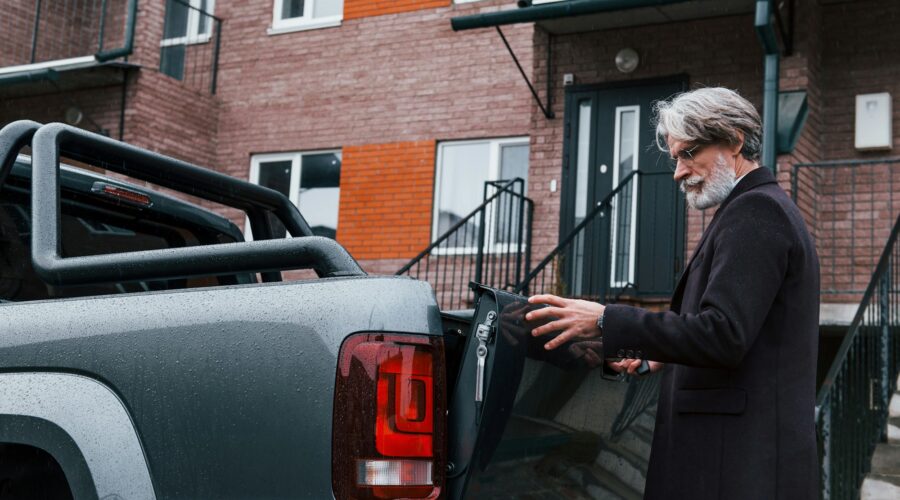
pixel 389 418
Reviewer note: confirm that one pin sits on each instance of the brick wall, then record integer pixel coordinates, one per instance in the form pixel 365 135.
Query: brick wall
pixel 713 52
pixel 398 78
pixel 386 193
pixel 354 9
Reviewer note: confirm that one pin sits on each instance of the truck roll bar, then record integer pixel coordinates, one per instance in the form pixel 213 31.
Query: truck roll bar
pixel 325 256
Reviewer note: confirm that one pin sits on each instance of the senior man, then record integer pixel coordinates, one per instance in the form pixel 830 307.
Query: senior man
pixel 738 347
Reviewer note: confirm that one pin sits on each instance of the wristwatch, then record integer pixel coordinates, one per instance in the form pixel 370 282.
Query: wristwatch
pixel 600 324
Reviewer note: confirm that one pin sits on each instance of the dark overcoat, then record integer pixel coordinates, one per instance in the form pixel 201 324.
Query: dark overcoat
pixel 736 410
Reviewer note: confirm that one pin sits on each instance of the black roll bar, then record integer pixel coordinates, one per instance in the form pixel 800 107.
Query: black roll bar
pixel 325 256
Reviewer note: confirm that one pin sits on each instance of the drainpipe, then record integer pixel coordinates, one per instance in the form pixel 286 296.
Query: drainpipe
pixel 124 51
pixel 766 33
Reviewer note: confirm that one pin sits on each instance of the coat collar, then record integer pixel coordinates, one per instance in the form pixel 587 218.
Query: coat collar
pixel 754 178
pixel 757 177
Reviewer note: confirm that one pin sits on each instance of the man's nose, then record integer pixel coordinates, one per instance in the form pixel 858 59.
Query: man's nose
pixel 681 171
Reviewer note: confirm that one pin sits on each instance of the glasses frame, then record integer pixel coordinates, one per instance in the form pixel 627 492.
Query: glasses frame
pixel 686 155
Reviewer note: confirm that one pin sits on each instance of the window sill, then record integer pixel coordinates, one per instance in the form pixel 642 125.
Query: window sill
pixel 279 29
pixel 184 40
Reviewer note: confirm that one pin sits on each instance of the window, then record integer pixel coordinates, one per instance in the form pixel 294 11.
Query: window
pixel 312 182
pixel 463 167
pixel 294 15
pixel 624 207
pixel 187 22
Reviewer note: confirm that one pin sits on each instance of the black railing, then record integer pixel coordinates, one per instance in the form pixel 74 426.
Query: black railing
pixel 849 206
pixel 491 245
pixel 852 405
pixel 189 50
pixel 41 31
pixel 595 259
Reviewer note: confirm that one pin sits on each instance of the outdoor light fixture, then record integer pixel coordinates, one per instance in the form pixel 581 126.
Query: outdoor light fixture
pixel 627 60
pixel 73 115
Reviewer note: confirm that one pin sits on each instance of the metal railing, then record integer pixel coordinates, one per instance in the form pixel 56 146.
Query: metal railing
pixel 491 246
pixel 593 260
pixel 189 50
pixel 852 405
pixel 849 206
pixel 44 31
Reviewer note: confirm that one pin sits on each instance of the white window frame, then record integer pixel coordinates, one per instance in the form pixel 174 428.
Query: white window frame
pixel 304 22
pixel 634 195
pixel 296 159
pixel 193 35
pixel 493 174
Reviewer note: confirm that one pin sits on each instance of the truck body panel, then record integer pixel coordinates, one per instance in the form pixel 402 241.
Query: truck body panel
pixel 230 388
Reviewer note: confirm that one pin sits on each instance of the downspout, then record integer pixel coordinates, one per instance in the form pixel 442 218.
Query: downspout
pixel 769 43
pixel 128 48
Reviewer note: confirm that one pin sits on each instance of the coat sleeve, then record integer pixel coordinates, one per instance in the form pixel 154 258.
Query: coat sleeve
pixel 750 251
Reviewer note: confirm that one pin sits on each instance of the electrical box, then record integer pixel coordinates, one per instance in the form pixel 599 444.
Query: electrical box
pixel 873 122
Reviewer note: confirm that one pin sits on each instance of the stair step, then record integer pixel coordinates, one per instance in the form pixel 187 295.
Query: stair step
pixel 886 460
pixel 627 472
pixel 878 487
pixel 643 433
pixel 646 420
pixel 635 443
pixel 600 482
pixel 893 430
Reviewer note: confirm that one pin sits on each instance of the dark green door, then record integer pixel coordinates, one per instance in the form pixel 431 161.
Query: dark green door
pixel 637 241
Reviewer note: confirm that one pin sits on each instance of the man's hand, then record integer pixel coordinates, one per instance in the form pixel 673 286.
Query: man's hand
pixel 631 365
pixel 574 319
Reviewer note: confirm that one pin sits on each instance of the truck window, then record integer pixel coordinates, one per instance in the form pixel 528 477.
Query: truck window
pixel 86 231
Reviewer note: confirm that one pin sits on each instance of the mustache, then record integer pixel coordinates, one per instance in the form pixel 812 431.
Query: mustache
pixel 691 182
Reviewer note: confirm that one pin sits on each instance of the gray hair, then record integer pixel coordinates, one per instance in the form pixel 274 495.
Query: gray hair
pixel 709 115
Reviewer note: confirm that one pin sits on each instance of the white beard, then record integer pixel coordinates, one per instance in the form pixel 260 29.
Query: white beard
pixel 714 188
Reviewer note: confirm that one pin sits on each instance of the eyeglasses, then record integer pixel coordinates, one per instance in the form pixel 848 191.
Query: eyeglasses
pixel 686 155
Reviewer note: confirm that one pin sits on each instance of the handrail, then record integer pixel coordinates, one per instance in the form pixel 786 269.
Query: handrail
pixel 325 256
pixel 604 204
pixel 841 356
pixel 444 237
pixel 852 404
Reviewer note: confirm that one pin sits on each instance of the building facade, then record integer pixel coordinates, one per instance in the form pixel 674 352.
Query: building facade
pixel 383 122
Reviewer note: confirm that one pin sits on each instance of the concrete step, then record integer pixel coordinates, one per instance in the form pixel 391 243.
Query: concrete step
pixel 635 441
pixel 883 481
pixel 624 464
pixel 602 484
pixel 646 420
pixel 877 487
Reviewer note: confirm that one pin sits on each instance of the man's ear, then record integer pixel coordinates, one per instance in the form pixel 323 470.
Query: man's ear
pixel 736 148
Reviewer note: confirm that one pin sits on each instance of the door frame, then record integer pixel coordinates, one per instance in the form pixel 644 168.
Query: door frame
pixel 569 157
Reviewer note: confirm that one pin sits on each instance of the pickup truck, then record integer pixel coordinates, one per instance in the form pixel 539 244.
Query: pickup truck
pixel 148 351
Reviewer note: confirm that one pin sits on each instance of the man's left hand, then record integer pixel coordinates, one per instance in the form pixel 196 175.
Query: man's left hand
pixel 575 319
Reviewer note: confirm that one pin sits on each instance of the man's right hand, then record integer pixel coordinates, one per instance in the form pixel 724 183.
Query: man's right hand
pixel 631 365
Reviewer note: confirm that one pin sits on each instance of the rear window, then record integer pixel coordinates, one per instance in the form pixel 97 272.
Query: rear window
pixel 90 231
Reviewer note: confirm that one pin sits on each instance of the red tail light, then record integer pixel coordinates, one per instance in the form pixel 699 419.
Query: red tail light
pixel 389 418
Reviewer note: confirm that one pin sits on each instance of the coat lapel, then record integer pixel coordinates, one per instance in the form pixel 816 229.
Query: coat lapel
pixel 753 179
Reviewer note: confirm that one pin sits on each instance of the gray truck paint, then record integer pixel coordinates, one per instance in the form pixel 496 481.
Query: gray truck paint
pixel 93 417
pixel 230 388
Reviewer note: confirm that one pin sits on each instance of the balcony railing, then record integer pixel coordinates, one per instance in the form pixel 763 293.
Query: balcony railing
pixel 189 50
pixel 38 34
pixel 491 246
pixel 850 207
pixel 852 405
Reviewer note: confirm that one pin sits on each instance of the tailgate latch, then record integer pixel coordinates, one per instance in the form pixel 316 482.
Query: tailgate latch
pixel 483 332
